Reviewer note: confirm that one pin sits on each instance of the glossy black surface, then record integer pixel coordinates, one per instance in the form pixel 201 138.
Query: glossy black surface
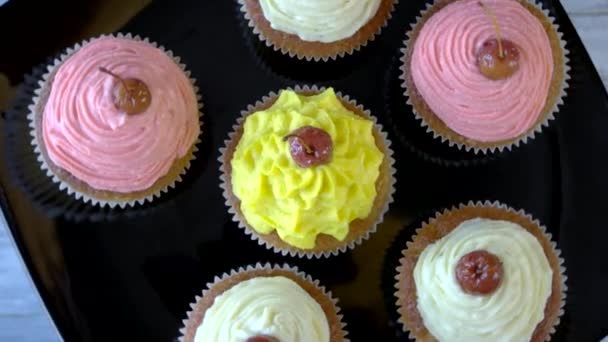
pixel 140 273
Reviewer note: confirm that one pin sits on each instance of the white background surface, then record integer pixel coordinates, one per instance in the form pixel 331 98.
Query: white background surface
pixel 22 317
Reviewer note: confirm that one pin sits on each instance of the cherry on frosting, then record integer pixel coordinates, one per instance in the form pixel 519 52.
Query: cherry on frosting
pixel 262 339
pixel 479 272
pixel 309 146
pixel 492 65
pixel 131 95
pixel 497 58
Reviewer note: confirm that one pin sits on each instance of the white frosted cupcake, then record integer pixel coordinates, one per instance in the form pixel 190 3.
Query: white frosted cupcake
pixel 264 303
pixel 480 272
pixel 317 29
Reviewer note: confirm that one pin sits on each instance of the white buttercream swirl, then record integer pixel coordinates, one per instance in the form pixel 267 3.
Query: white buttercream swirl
pixel 323 21
pixel 512 312
pixel 268 306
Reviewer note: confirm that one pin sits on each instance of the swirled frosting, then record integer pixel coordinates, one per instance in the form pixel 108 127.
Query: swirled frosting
pixel 445 72
pixel 85 134
pixel 300 203
pixel 269 306
pixel 319 20
pixel 512 312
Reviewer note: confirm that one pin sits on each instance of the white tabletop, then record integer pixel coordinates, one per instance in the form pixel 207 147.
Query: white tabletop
pixel 22 316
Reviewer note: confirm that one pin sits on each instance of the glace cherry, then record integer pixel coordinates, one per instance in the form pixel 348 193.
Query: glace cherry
pixel 131 95
pixel 479 272
pixel 309 146
pixel 497 58
pixel 492 65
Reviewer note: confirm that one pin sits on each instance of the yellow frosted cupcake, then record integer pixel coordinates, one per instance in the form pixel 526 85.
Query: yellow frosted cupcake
pixel 307 172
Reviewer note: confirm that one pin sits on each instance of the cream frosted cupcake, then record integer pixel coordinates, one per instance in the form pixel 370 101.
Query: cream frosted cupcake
pixel 317 29
pixel 264 304
pixel 307 172
pixel 116 121
pixel 480 272
pixel 485 75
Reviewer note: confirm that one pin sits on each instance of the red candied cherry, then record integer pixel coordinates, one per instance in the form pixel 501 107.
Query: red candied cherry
pixel 479 272
pixel 309 146
pixel 131 95
pixel 497 58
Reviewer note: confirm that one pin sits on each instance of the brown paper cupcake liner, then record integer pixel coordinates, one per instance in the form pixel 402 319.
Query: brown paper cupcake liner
pixel 291 45
pixel 439 130
pixel 222 283
pixel 384 198
pixel 293 70
pixel 391 259
pixel 79 189
pixel 447 220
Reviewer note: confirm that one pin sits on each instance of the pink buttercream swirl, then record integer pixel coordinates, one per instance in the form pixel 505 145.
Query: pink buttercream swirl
pixel 445 72
pixel 85 134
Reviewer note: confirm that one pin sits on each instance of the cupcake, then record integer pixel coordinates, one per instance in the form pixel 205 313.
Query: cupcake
pixel 318 29
pixel 307 172
pixel 115 121
pixel 484 75
pixel 264 304
pixel 480 272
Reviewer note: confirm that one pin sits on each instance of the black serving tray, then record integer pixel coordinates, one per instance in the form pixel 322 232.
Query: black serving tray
pixel 132 277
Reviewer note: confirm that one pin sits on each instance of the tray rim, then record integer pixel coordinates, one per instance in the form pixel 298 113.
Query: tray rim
pixel 67 330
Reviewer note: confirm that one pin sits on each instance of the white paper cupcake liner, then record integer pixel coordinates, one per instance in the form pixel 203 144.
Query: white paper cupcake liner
pixel 498 147
pixel 237 216
pixel 479 204
pixel 352 50
pixel 40 97
pixel 259 267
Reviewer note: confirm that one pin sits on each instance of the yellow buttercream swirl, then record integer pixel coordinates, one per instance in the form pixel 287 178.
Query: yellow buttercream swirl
pixel 300 203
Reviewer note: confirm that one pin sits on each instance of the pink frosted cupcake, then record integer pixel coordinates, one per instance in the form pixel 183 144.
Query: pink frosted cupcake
pixel 485 75
pixel 116 121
